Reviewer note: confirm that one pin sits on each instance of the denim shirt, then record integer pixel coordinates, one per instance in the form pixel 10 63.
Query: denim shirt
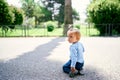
pixel 76 53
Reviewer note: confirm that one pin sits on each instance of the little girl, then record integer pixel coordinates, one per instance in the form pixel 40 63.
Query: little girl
pixel 76 62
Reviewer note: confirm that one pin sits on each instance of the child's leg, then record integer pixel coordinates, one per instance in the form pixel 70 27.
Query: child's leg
pixel 66 67
pixel 79 66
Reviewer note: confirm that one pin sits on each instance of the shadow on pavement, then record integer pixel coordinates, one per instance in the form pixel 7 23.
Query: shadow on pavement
pixel 34 66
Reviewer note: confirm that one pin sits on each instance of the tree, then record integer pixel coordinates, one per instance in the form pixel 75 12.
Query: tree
pixel 41 14
pixel 45 15
pixel 104 12
pixel 57 9
pixel 60 15
pixel 28 6
pixel 18 16
pixel 33 9
pixel 6 16
pixel 68 16
pixel 49 5
pixel 75 15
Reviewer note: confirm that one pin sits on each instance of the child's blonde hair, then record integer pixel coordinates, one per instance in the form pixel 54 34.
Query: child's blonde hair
pixel 74 31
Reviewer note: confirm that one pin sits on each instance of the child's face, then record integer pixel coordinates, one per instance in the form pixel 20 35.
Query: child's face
pixel 72 38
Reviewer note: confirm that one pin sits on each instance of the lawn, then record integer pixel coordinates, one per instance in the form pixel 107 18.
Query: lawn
pixel 21 32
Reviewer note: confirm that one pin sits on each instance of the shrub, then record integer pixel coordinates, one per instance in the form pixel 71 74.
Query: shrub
pixel 104 12
pixel 50 27
pixel 54 23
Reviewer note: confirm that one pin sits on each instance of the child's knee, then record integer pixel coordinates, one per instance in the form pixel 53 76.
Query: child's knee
pixel 63 68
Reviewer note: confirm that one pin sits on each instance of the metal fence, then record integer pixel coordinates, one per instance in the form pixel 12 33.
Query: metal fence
pixel 28 31
pixel 41 31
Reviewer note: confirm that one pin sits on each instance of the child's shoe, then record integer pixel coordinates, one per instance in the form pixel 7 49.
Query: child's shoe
pixel 72 75
pixel 79 73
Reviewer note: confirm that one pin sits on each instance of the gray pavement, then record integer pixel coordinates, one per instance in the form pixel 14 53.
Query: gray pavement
pixel 42 58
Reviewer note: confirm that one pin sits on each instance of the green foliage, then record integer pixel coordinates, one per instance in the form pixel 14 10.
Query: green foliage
pixel 104 12
pixel 6 16
pixel 59 10
pixel 46 15
pixel 50 27
pixel 18 14
pixel 28 6
pixel 36 10
pixel 9 15
pixel 60 16
pixel 43 31
pixel 77 26
pixel 75 15
pixel 54 23
pixel 41 13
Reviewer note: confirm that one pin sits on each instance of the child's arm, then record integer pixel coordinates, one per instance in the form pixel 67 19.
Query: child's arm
pixel 73 56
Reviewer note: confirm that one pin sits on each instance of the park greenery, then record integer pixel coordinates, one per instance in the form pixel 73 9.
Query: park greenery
pixel 104 12
pixel 56 15
pixel 10 15
pixel 41 11
pixel 41 31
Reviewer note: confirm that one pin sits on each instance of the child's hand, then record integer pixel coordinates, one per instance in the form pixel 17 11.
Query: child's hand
pixel 73 69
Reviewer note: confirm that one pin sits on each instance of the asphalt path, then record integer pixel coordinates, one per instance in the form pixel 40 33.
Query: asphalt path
pixel 42 58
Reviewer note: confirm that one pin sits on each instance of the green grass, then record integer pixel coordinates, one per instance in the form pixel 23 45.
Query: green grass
pixel 19 32
pixel 85 31
pixel 44 32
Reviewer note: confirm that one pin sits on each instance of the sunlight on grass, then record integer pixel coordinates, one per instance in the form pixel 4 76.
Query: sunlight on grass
pixel 20 32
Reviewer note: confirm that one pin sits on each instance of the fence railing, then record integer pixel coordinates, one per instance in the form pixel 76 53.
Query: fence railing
pixel 41 31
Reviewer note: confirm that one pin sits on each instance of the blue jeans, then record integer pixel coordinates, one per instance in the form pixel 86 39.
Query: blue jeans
pixel 66 67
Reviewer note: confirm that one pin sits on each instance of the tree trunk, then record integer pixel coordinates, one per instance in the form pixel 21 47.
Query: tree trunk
pixel 68 16
pixel 36 22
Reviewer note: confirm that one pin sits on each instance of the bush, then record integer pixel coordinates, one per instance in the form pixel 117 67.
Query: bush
pixel 50 27
pixel 104 12
pixel 54 23
pixel 6 15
